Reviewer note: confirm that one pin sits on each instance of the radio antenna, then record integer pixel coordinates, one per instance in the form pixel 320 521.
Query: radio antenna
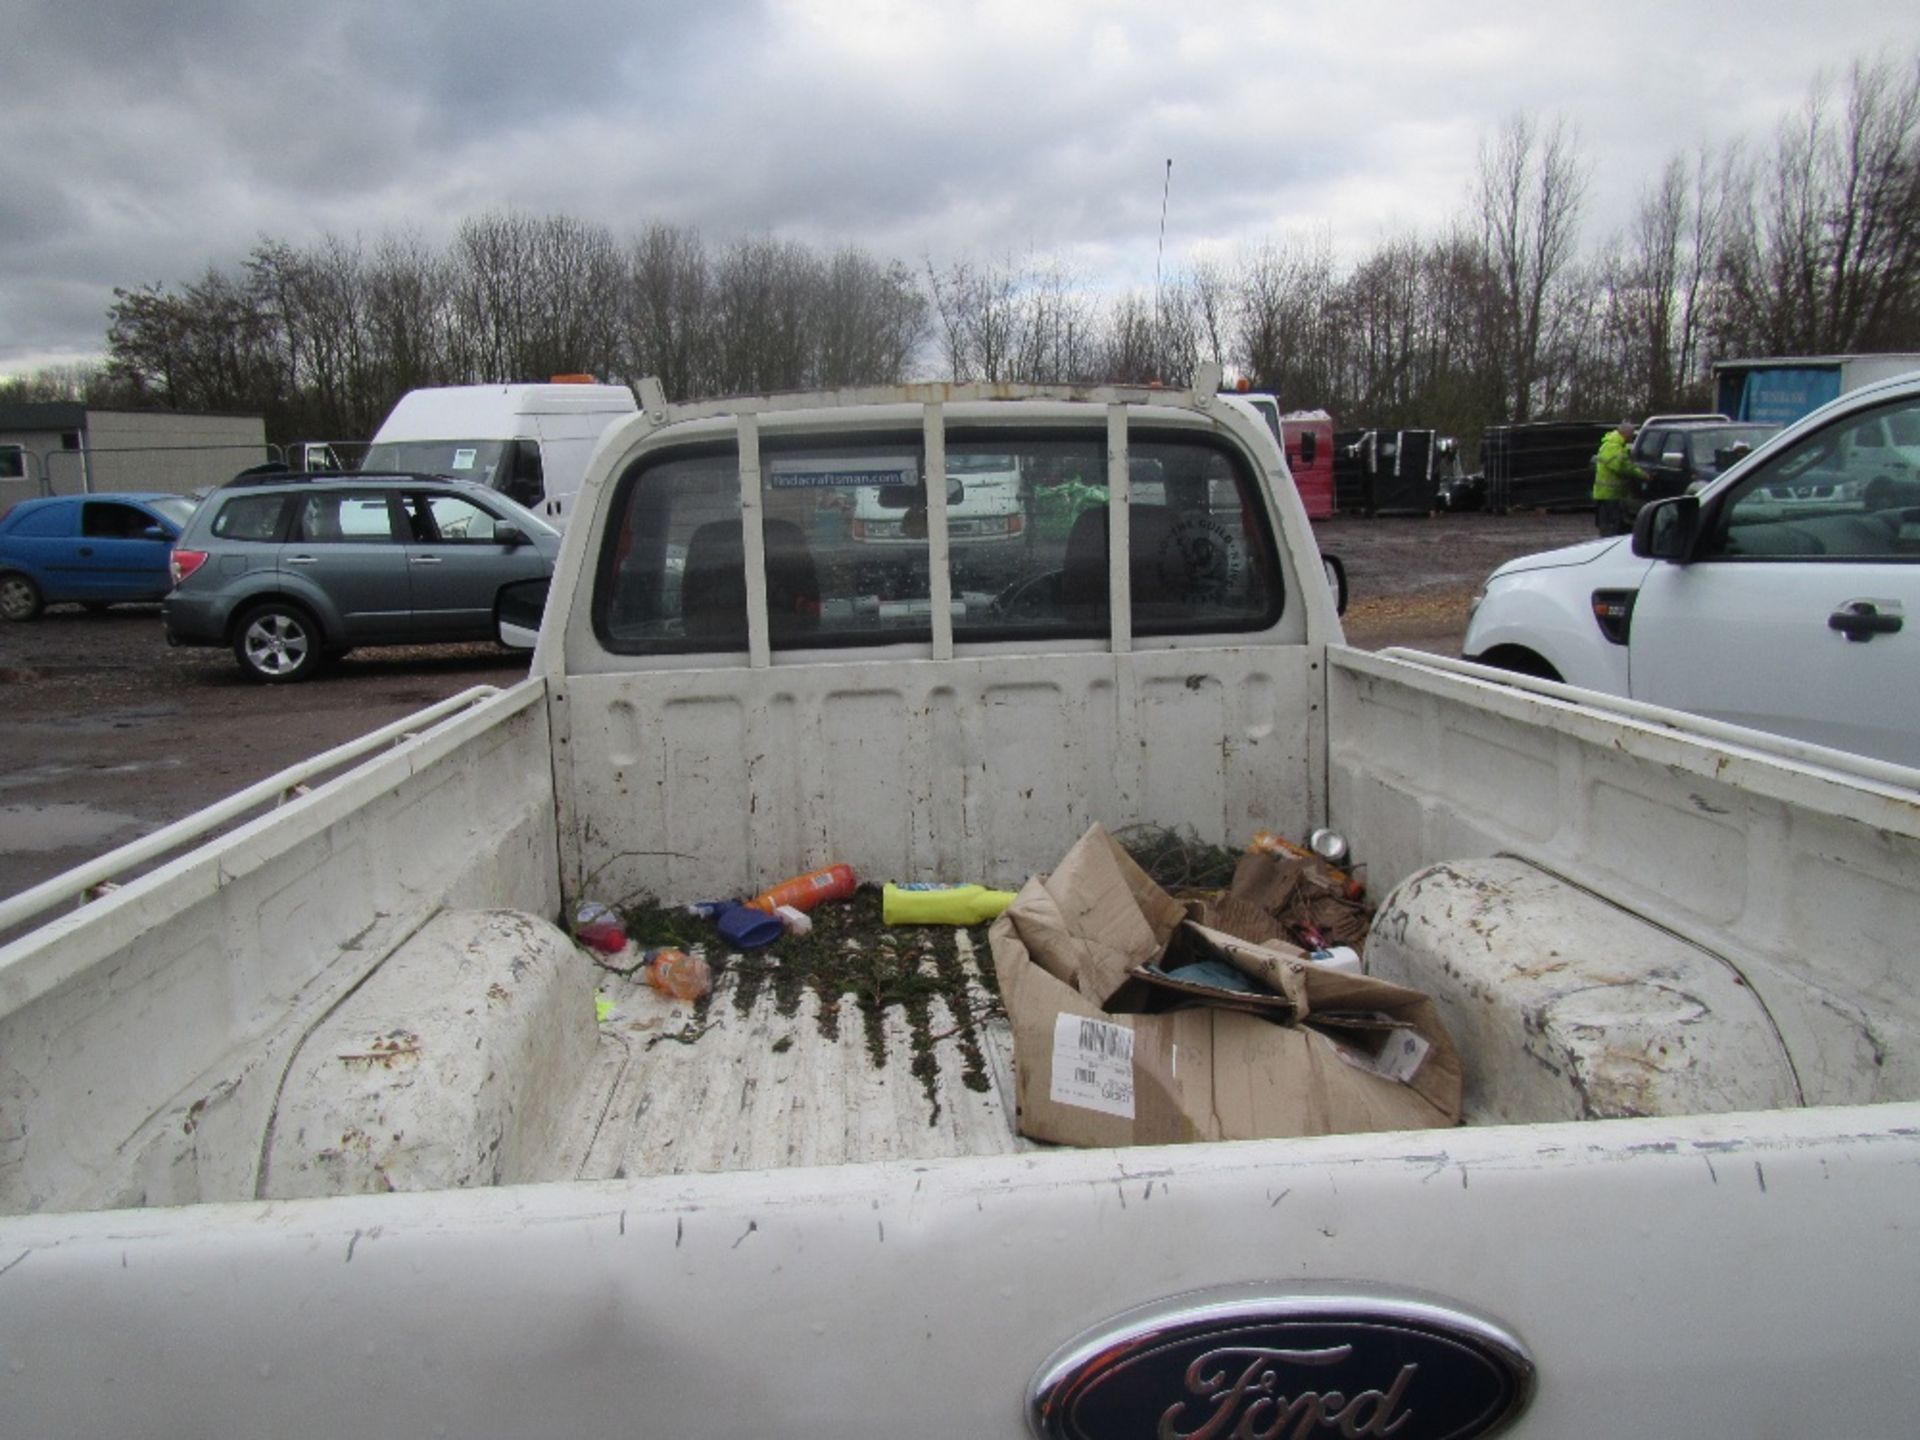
pixel 1165 186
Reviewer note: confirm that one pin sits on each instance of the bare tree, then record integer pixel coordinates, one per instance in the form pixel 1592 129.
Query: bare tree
pixel 409 317
pixel 1653 298
pixel 1653 283
pixel 574 326
pixel 664 311
pixel 1462 381
pixel 1713 180
pixel 759 316
pixel 207 347
pixel 1284 330
pixel 1381 311
pixel 1873 221
pixel 1211 289
pixel 83 382
pixel 1530 187
pixel 1058 334
pixel 1131 352
pixel 534 297
pixel 981 318
pixel 867 322
pixel 1178 331
pixel 1828 259
pixel 317 302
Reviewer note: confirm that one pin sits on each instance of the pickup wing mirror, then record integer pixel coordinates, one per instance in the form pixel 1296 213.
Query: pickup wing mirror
pixel 510 536
pixel 516 616
pixel 1673 459
pixel 1667 529
pixel 1337 580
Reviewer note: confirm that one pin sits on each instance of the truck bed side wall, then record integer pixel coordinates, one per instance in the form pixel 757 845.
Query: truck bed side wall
pixel 1803 882
pixel 143 1039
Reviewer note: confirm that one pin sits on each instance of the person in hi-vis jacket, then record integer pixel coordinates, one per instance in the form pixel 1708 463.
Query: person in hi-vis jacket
pixel 1614 472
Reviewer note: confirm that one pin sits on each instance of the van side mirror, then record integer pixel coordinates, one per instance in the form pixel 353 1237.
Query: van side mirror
pixel 1667 529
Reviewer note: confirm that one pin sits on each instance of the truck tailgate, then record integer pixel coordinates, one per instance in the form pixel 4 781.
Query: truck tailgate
pixel 1718 1276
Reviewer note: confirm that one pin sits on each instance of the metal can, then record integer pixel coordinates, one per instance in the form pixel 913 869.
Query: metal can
pixel 1329 845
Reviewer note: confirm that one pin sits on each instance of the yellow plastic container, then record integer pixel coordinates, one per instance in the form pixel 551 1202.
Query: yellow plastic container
pixel 942 904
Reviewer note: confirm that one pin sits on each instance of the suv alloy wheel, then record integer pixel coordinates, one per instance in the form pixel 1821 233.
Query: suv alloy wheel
pixel 277 642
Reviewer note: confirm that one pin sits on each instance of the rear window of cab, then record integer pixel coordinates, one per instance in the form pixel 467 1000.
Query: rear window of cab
pixel 846 541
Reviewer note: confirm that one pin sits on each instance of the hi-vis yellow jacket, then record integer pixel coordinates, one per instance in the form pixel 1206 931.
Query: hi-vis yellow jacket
pixel 1613 469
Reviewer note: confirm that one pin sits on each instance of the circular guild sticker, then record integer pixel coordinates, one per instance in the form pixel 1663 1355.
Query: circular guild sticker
pixel 1200 560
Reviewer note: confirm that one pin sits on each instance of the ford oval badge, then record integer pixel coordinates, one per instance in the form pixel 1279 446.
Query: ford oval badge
pixel 1257 1363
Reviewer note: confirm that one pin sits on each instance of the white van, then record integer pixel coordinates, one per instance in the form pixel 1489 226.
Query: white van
pixel 991 506
pixel 530 442
pixel 986 520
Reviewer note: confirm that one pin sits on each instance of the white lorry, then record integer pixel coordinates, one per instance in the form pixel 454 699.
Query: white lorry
pixel 531 442
pixel 316 1129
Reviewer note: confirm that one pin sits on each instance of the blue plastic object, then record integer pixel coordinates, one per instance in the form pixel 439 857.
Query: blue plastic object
pixel 747 928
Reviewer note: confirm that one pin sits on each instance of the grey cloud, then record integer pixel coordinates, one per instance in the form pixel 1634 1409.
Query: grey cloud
pixel 34 210
pixel 143 142
pixel 54 317
pixel 283 83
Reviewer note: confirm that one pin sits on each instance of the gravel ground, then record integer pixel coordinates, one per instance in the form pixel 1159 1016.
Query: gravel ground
pixel 106 734
pixel 1410 580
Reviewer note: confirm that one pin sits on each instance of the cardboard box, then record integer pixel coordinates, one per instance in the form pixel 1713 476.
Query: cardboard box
pixel 1110 1050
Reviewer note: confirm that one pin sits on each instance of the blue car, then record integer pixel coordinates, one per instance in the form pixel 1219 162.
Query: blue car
pixel 94 549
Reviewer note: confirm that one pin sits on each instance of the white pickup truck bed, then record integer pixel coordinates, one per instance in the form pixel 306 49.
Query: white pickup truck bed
pixel 1559 1015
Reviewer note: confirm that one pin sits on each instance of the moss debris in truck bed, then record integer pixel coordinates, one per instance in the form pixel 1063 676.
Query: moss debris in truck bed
pixel 850 958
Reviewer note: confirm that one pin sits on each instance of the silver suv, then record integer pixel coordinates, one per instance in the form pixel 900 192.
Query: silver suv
pixel 292 570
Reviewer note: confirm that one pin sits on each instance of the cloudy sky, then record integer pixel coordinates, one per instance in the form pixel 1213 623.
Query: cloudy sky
pixel 141 142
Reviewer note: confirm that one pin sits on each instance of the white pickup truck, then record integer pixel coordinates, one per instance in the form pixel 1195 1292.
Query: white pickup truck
pixel 315 1129
pixel 1778 597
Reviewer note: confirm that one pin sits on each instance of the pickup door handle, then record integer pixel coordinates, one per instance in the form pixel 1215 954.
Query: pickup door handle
pixel 302 559
pixel 1863 619
pixel 426 559
pixel 86 550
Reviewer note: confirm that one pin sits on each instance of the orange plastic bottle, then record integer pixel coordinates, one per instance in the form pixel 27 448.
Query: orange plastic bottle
pixel 803 892
pixel 676 973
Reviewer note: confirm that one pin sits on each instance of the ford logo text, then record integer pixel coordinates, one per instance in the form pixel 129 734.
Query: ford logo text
pixel 1251 1363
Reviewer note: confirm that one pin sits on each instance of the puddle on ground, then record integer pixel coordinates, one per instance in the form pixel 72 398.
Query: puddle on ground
pixel 64 826
pixel 63 770
pixel 131 719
